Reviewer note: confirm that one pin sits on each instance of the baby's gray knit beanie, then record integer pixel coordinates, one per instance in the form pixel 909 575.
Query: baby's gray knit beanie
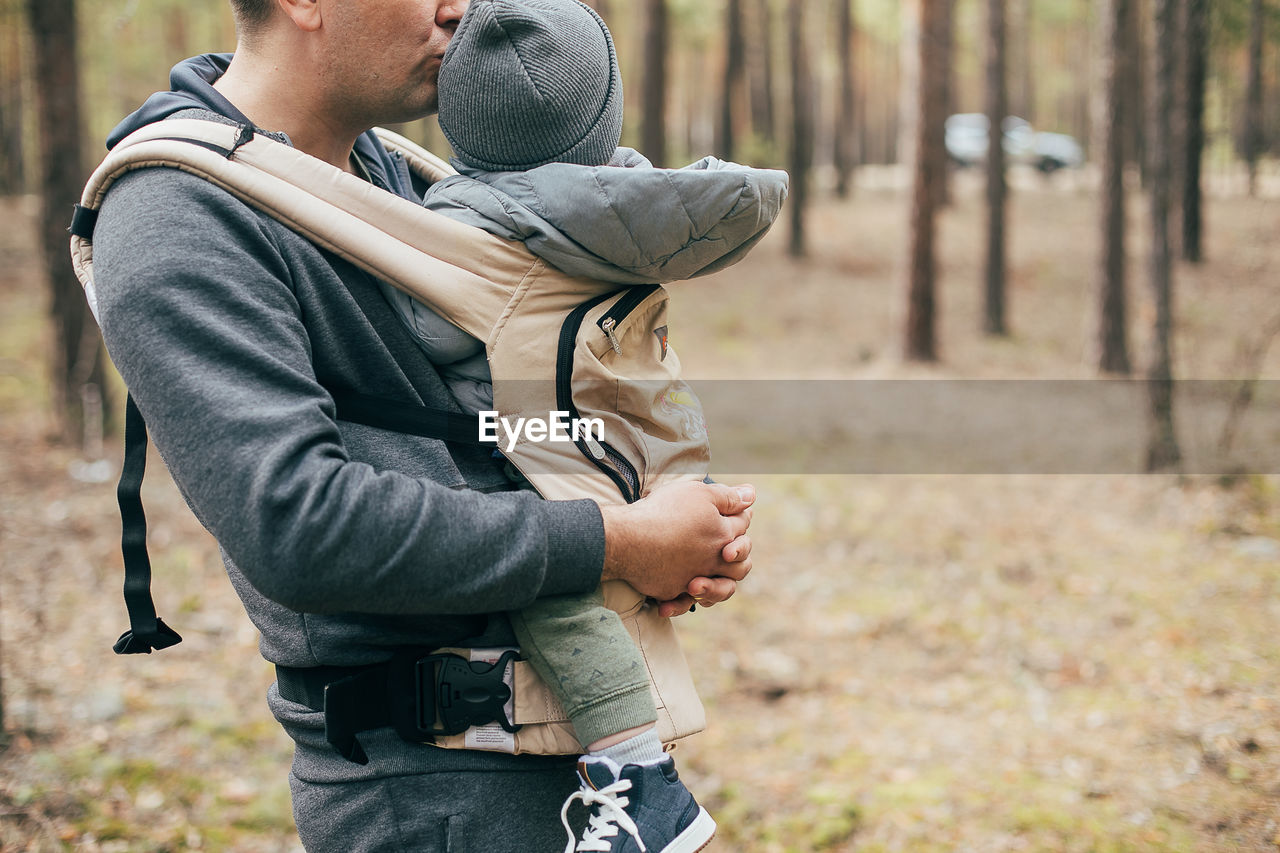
pixel 530 82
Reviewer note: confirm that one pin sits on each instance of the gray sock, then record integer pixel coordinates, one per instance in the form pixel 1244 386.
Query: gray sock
pixel 644 748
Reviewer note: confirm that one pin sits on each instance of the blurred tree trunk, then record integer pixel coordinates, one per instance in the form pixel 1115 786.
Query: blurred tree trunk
pixel 12 162
pixel 846 126
pixel 1253 100
pixel 944 42
pixel 801 126
pixel 763 116
pixel 1162 444
pixel 1135 89
pixel 1113 344
pixel 997 108
pixel 1024 93
pixel 653 92
pixel 601 7
pixel 77 359
pixel 733 91
pixel 1195 49
pixel 921 335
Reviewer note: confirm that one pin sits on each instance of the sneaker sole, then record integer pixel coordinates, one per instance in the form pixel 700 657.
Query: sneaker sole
pixel 695 837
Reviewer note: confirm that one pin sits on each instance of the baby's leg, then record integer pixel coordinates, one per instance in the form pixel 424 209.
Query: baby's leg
pixel 580 649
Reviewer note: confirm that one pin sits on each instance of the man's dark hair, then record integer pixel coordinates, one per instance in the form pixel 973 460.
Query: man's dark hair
pixel 250 15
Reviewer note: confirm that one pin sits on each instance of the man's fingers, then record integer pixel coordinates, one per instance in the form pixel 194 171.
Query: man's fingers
pixel 709 591
pixel 737 550
pixel 677 606
pixel 732 500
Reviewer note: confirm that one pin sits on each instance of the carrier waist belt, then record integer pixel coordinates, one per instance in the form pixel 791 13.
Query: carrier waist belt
pixel 423 696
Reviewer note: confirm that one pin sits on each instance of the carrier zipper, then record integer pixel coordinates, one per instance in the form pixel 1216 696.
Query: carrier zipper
pixel 616 466
pixel 624 306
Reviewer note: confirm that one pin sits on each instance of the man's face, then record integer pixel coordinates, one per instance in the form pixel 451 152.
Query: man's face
pixel 380 58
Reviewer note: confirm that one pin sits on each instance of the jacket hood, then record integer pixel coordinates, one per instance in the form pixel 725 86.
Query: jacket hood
pixel 191 88
pixel 627 222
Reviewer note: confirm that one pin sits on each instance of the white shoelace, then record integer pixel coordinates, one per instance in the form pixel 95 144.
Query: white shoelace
pixel 604 825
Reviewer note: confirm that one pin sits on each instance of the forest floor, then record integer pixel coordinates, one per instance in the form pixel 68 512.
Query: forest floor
pixel 1017 661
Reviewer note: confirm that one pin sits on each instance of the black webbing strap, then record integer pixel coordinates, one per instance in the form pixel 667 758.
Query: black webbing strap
pixel 146 630
pixel 396 416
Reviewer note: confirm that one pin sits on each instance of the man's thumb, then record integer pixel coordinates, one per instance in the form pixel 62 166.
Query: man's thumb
pixel 731 500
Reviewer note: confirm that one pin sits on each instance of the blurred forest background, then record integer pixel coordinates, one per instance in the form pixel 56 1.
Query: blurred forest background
pixel 984 662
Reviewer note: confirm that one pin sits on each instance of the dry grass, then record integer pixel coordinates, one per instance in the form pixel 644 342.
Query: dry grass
pixel 984 663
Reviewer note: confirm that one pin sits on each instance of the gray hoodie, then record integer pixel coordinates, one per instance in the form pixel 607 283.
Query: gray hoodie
pixel 625 222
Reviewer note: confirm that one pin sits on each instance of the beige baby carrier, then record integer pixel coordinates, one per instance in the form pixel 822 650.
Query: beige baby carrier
pixel 587 359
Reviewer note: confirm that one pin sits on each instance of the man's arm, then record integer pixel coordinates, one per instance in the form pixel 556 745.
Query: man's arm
pixel 199 311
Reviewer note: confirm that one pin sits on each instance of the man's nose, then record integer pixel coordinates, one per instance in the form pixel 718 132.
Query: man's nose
pixel 450 12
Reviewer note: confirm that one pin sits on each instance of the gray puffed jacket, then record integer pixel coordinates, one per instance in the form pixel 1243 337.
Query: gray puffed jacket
pixel 626 223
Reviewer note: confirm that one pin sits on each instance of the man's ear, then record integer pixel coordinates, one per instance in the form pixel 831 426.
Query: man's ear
pixel 305 14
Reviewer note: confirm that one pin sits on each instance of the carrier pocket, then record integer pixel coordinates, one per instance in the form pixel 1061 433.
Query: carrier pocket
pixel 602 454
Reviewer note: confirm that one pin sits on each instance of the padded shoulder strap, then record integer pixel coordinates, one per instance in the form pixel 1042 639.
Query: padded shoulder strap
pixel 461 272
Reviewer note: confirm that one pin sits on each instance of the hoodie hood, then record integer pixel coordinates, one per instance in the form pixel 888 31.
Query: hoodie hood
pixel 191 88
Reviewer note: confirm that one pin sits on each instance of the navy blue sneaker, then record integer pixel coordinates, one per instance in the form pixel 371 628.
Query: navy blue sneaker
pixel 638 808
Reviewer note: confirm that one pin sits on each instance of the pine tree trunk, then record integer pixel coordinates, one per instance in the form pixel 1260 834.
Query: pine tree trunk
pixel 1135 88
pixel 1162 445
pixel 997 108
pixel 1019 59
pixel 734 79
pixel 77 360
pixel 944 41
pixel 653 93
pixel 846 126
pixel 921 334
pixel 801 126
pixel 1253 100
pixel 1196 42
pixel 763 116
pixel 1113 344
pixel 12 161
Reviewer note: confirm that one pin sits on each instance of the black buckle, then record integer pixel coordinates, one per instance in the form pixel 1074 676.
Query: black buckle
pixel 455 694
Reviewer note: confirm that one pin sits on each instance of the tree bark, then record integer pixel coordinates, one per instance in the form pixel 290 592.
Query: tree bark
pixel 763 114
pixel 801 126
pixel 653 94
pixel 921 334
pixel 733 89
pixel 997 108
pixel 77 358
pixel 1162 444
pixel 1135 88
pixel 1113 344
pixel 944 41
pixel 846 126
pixel 12 161
pixel 1022 89
pixel 1253 142
pixel 1195 41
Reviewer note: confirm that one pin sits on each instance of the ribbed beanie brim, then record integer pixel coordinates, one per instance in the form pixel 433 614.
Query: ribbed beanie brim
pixel 530 82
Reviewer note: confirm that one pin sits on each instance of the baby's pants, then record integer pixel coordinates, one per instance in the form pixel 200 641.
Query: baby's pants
pixel 580 649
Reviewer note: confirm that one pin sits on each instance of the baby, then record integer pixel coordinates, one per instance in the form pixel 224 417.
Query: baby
pixel 531 101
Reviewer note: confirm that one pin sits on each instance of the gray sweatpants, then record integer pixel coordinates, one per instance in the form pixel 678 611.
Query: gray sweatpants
pixel 445 812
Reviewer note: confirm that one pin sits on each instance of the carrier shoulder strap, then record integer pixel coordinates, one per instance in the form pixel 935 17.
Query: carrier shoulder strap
pixel 349 219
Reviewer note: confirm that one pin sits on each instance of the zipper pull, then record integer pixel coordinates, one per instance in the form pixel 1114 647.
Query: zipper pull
pixel 597 452
pixel 608 326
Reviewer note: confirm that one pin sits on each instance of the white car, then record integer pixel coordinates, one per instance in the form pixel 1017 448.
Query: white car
pixel 966 139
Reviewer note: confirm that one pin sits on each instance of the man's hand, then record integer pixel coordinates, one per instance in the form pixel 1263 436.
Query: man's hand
pixel 682 544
